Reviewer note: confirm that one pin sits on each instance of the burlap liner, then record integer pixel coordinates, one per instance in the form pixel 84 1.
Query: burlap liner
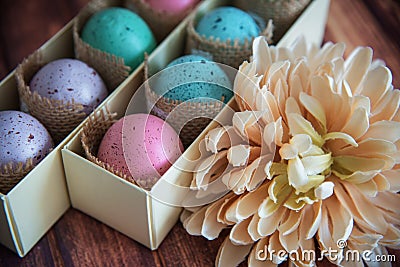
pixel 59 117
pixel 230 52
pixel 110 67
pixel 282 12
pixel 93 132
pixel 11 174
pixel 162 106
pixel 160 23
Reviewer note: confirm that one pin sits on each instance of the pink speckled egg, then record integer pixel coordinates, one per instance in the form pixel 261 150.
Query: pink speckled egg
pixel 141 145
pixel 172 6
pixel 67 79
pixel 22 137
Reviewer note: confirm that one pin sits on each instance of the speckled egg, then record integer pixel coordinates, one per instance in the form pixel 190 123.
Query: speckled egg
pixel 67 79
pixel 120 32
pixel 171 6
pixel 22 137
pixel 140 145
pixel 192 82
pixel 228 23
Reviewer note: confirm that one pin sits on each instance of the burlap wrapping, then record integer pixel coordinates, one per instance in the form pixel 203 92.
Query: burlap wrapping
pixel 92 133
pixel 11 174
pixel 202 112
pixel 229 52
pixel 160 23
pixel 110 67
pixel 59 117
pixel 282 12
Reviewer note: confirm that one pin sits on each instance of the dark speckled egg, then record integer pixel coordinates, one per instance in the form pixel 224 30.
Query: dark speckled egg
pixel 140 145
pixel 193 78
pixel 22 137
pixel 67 79
pixel 120 32
pixel 228 23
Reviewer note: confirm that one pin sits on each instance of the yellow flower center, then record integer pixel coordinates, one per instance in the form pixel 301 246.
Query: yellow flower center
pixel 307 166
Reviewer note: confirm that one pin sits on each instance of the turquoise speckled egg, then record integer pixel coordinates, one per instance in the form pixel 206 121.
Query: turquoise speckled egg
pixel 120 32
pixel 228 23
pixel 193 78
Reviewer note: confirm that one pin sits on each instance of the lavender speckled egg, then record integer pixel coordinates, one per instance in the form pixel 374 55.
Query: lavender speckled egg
pixel 141 145
pixel 228 23
pixel 67 79
pixel 22 137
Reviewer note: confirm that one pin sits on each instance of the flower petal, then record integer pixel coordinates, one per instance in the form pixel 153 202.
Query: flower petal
pixel 297 175
pixel 385 130
pixel 299 125
pixel 253 227
pixel 291 223
pixel 324 190
pixel 314 107
pixel 358 123
pixel 261 54
pixel 356 65
pixel 342 220
pixel 231 255
pixel 250 202
pixel 239 234
pixel 376 84
pixel 220 138
pixel 259 255
pixel 314 165
pixel 268 225
pixel 348 139
pixel 194 223
pixel 211 228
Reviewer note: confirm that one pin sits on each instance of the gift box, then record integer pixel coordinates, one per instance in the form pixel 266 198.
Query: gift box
pixel 147 216
pixel 41 197
pixel 32 207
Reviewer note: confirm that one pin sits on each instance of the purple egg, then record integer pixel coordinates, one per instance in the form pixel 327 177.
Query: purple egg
pixel 67 79
pixel 22 137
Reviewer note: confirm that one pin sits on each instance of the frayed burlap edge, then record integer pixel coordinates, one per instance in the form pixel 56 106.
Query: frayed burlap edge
pixel 110 67
pixel 11 174
pixel 282 12
pixel 182 116
pixel 160 23
pixel 59 117
pixel 93 132
pixel 230 52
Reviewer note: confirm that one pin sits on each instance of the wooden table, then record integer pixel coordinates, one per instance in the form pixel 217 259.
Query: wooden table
pixel 79 240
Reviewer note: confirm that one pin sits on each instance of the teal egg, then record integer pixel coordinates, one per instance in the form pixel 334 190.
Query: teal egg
pixel 193 78
pixel 228 23
pixel 120 32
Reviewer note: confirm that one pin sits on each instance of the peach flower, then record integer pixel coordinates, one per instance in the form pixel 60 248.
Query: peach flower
pixel 334 124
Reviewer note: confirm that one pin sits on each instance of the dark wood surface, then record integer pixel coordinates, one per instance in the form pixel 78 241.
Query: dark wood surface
pixel 77 239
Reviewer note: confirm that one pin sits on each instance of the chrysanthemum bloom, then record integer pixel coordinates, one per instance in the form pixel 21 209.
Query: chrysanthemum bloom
pixel 332 184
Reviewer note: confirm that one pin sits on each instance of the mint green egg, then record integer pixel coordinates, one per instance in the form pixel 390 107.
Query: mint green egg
pixel 120 32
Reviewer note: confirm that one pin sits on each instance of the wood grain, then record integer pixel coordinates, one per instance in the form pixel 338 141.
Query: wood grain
pixel 78 240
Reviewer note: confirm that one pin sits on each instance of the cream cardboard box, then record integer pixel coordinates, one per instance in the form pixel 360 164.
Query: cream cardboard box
pixel 144 215
pixel 39 200
pixel 29 210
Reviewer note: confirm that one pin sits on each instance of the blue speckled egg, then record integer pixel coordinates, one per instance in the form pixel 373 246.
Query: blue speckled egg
pixel 228 23
pixel 22 137
pixel 193 78
pixel 66 79
pixel 120 32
